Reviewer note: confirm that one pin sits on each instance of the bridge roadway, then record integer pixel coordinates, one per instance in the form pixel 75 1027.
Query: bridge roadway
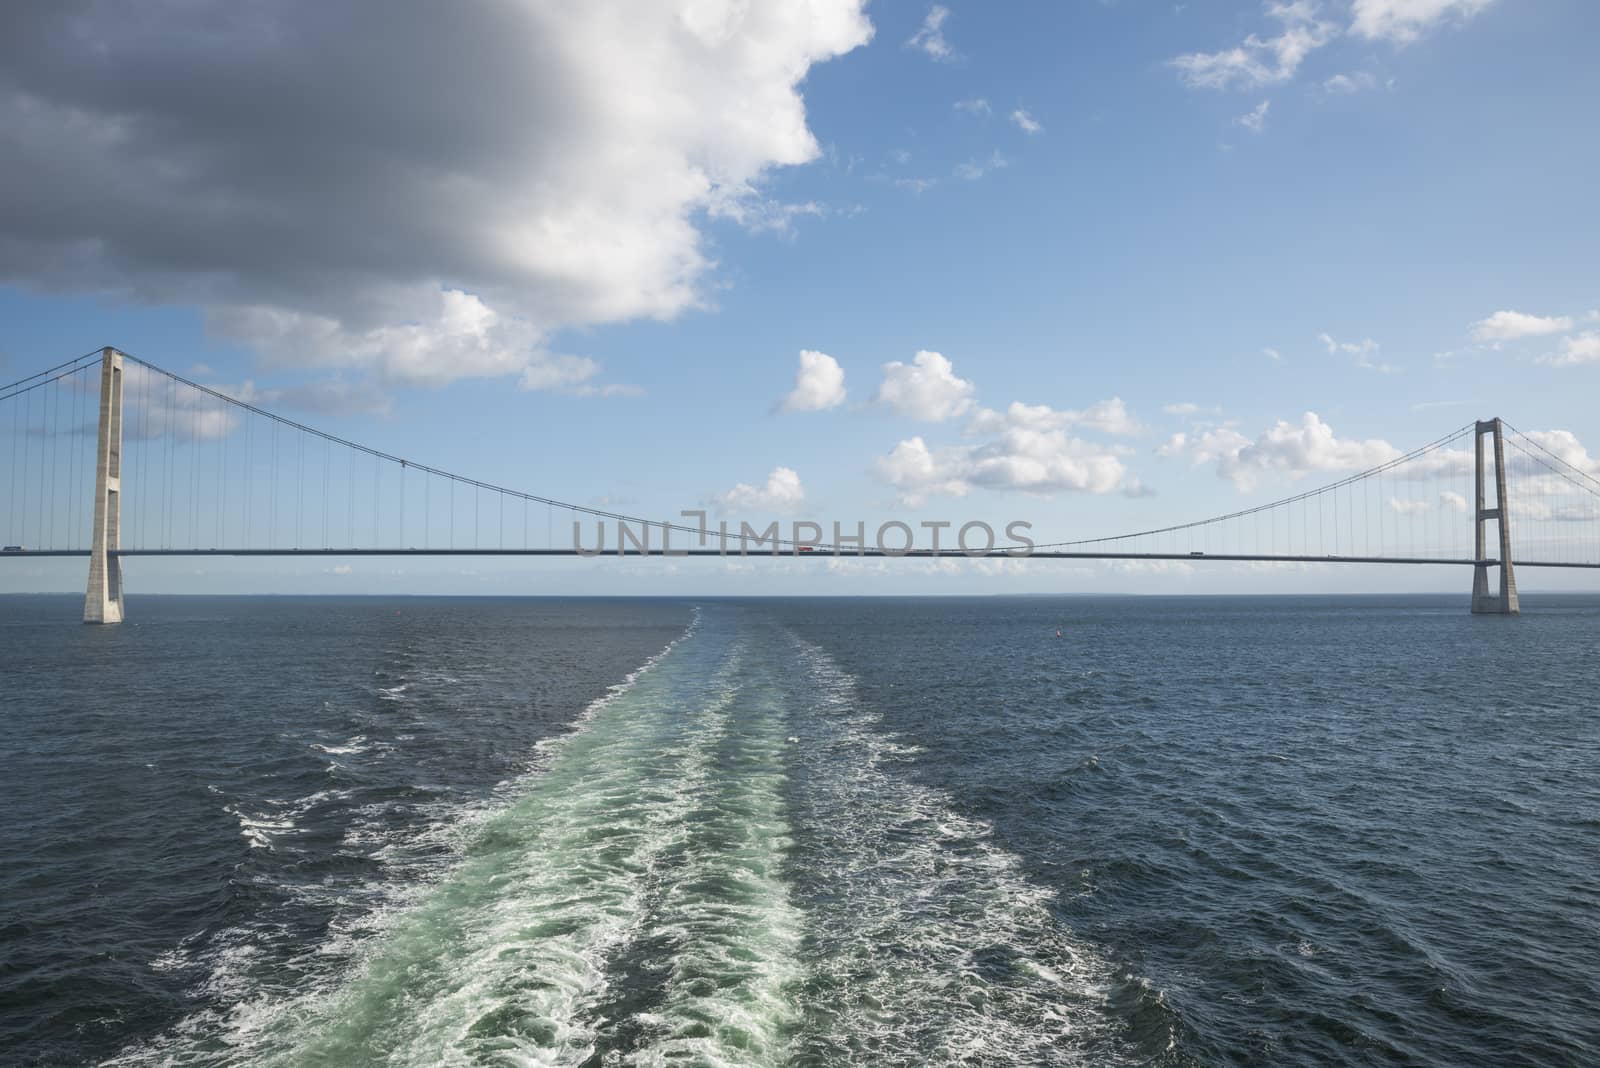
pixel 824 553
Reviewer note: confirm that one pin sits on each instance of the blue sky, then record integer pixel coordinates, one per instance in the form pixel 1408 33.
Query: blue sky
pixel 586 261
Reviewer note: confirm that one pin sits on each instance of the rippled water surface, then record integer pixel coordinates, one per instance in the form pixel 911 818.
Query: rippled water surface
pixel 435 831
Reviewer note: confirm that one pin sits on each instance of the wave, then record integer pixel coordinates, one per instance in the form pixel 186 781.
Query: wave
pixel 726 860
pixel 930 944
pixel 252 1017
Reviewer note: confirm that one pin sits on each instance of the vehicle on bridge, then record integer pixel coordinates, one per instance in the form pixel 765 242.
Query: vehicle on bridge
pixel 13 549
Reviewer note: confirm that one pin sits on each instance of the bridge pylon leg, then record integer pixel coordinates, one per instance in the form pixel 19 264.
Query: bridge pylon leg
pixel 1484 602
pixel 103 602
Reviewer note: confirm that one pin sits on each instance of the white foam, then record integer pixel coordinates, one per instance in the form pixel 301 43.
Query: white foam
pixel 665 822
pixel 249 1012
pixel 509 956
pixel 357 744
pixel 735 932
pixel 933 946
pixel 262 829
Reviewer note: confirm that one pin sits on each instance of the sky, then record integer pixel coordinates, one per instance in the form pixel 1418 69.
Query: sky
pixel 1098 266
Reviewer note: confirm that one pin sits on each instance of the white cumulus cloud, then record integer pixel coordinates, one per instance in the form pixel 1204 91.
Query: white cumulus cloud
pixel 818 384
pixel 1581 348
pixel 1512 325
pixel 918 473
pixel 1285 448
pixel 782 492
pixel 927 388
pixel 1403 21
pixel 1107 416
pixel 1564 444
pixel 1029 448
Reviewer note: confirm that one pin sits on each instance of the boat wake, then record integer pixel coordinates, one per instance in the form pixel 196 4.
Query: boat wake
pixel 724 863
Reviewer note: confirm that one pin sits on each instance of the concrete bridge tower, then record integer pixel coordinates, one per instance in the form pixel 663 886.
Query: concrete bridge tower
pixel 1484 602
pixel 103 603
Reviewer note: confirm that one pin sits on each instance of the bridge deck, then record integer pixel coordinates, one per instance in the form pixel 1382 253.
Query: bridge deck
pixel 822 554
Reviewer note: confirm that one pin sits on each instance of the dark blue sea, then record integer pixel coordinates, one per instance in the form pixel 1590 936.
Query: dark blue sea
pixel 1188 831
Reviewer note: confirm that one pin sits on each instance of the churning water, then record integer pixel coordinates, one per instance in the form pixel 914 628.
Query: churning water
pixel 809 832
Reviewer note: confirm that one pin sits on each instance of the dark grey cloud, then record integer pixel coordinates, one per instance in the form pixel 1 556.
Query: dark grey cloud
pixel 422 189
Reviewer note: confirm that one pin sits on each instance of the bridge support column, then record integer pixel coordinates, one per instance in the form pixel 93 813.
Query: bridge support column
pixel 103 603
pixel 1484 602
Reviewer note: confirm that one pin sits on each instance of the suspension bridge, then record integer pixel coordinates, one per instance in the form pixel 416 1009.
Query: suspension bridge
pixel 211 474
